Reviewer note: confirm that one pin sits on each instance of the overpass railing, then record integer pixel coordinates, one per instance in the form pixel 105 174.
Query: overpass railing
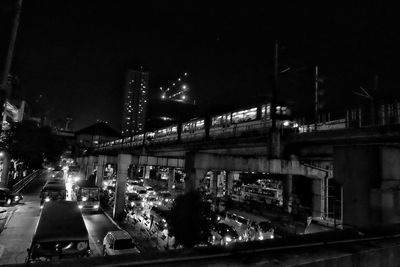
pixel 25 181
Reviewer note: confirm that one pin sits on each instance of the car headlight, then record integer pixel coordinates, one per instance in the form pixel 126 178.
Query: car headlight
pixel 16 198
pixel 96 206
pixel 272 236
pixel 84 198
pixel 260 237
pixel 167 200
pixel 228 239
pixel 47 199
pixel 240 238
pixel 80 206
pixel 132 204
pixel 76 179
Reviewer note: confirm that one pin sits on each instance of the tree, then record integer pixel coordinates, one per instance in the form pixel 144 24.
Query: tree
pixel 190 220
pixel 32 144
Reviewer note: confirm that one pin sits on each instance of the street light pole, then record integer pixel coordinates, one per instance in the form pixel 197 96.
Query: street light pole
pixel 316 99
pixel 7 66
pixel 3 92
pixel 275 87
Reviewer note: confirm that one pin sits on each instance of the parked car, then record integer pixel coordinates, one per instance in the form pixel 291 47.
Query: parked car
pixel 134 200
pixel 7 197
pixel 119 242
pixel 224 234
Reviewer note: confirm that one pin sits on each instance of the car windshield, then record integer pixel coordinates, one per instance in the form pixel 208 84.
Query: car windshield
pixel 123 244
pixel 134 197
pixel 142 192
pixel 265 226
pixel 90 194
pixel 224 229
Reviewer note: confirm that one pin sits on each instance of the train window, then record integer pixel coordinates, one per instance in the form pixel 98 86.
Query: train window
pixel 216 121
pixel 266 112
pixel 244 115
pixel 200 125
pixel 174 129
pixel 186 127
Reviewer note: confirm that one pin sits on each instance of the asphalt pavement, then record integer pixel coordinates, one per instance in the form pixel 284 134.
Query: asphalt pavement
pixel 21 220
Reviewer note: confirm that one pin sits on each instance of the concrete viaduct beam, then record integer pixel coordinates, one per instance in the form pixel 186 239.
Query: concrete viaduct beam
pixel 208 161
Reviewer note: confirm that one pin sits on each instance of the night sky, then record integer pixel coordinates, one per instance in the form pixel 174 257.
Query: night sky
pixel 76 53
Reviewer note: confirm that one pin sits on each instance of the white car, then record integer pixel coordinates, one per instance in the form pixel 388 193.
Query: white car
pixel 119 242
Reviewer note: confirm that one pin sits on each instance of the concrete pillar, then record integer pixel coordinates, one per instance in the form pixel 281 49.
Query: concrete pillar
pixel 288 193
pixel 146 172
pixel 193 179
pixel 101 163
pixel 229 182
pixel 90 166
pixel 171 178
pixel 274 145
pixel 318 205
pixel 124 160
pixel 214 184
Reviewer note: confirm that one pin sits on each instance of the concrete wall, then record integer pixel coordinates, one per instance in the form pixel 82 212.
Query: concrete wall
pixel 371 183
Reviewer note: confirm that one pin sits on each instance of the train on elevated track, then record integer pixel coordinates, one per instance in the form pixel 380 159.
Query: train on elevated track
pixel 252 121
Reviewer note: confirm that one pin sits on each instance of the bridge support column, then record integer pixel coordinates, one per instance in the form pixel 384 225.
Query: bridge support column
pixel 318 205
pixel 90 166
pixel 171 178
pixel 194 175
pixel 213 184
pixel 288 193
pixel 124 160
pixel 101 163
pixel 229 182
pixel 146 172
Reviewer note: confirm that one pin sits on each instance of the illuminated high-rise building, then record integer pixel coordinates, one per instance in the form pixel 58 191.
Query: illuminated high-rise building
pixel 135 102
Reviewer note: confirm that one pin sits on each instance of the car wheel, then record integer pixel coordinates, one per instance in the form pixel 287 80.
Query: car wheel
pixel 8 202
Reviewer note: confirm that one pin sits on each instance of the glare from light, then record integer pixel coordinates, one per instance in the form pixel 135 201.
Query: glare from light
pixel 286 123
pixel 80 206
pixel 47 199
pixel 228 239
pixel 184 87
pixel 96 206
pixel 183 97
pixel 84 198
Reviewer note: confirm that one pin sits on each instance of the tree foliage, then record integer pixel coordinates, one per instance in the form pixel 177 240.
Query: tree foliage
pixel 190 220
pixel 32 144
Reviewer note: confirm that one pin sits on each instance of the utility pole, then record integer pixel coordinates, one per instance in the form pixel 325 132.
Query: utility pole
pixel 316 98
pixel 3 92
pixel 7 66
pixel 275 87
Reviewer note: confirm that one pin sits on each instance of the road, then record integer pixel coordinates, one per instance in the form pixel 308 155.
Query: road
pixel 22 219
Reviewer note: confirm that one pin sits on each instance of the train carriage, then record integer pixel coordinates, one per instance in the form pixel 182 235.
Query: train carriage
pixel 193 130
